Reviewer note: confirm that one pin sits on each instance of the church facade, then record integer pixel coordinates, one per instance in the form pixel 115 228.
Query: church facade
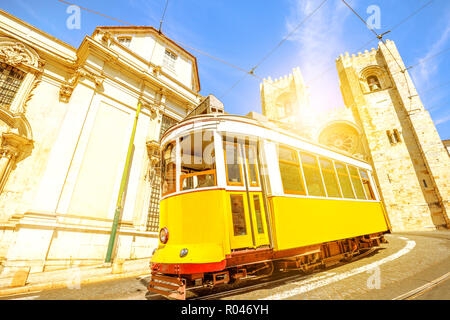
pixel 383 122
pixel 66 117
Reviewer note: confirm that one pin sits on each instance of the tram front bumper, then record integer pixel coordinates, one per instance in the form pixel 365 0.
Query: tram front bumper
pixel 170 287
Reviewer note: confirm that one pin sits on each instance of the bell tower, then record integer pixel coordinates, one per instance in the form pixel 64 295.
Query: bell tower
pixel 411 163
pixel 286 99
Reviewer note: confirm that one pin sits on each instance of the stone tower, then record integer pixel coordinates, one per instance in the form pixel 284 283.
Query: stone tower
pixel 411 163
pixel 286 100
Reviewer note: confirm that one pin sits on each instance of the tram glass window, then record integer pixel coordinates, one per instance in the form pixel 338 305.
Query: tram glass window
pixel 329 176
pixel 198 165
pixel 169 169
pixel 356 181
pixel 238 214
pixel 344 180
pixel 313 177
pixel 366 183
pixel 233 163
pixel 257 206
pixel 291 175
pixel 250 154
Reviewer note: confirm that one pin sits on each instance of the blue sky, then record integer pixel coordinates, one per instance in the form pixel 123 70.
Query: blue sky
pixel 243 32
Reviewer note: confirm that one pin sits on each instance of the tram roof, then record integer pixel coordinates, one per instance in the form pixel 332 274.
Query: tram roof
pixel 264 124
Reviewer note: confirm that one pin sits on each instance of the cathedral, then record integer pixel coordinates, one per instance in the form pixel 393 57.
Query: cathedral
pixel 67 114
pixel 383 122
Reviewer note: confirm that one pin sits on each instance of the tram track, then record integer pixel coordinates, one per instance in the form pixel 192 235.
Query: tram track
pixel 283 280
pixel 410 295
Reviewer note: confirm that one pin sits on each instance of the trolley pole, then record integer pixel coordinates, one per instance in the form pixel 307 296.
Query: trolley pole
pixel 112 238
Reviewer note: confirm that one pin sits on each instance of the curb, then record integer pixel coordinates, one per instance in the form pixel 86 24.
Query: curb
pixel 64 284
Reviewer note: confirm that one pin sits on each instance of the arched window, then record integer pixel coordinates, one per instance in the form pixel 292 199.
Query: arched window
pixel 10 80
pixel 374 83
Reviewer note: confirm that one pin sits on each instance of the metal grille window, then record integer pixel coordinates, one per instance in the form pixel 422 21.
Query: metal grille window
pixel 10 80
pixel 155 195
pixel 166 123
pixel 124 41
pixel 153 212
pixel 169 60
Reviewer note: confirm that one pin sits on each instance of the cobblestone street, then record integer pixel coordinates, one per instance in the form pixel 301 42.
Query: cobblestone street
pixel 404 264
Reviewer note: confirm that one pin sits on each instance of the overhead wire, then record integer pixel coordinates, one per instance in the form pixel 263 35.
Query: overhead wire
pixel 251 71
pixel 289 35
pixel 176 41
pixel 436 87
pixel 422 61
pixel 380 36
pixel 376 38
pixel 162 18
pixel 104 15
pixel 410 110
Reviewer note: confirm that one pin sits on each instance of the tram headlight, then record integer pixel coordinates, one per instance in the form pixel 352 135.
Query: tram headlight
pixel 164 235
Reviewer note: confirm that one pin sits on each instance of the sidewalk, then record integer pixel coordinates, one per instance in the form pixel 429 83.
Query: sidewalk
pixel 75 277
pixel 443 234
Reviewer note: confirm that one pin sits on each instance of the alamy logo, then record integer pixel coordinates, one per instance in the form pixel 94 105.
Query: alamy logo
pixel 74 20
pixel 374 281
pixel 374 20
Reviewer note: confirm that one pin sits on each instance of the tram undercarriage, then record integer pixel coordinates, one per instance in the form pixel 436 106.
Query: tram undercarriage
pixel 240 265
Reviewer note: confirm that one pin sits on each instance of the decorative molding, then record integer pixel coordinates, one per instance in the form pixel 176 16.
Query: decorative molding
pixel 153 150
pixel 15 55
pixel 65 92
pixel 19 55
pixel 15 144
pixel 66 89
pixel 106 38
pixel 157 71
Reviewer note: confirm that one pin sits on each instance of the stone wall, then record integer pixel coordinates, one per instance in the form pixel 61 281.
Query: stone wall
pixel 410 161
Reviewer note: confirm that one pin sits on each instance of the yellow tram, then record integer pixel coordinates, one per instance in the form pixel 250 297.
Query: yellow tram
pixel 241 198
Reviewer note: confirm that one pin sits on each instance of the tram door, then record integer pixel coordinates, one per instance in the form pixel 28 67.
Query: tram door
pixel 246 215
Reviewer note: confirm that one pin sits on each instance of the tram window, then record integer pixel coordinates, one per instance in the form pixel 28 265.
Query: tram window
pixel 238 214
pixel 198 165
pixel 257 205
pixel 367 185
pixel 329 176
pixel 250 153
pixel 344 180
pixel 313 178
pixel 356 181
pixel 233 164
pixel 169 169
pixel 291 175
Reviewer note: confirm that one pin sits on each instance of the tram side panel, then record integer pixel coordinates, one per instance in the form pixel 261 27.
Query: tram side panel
pixel 300 222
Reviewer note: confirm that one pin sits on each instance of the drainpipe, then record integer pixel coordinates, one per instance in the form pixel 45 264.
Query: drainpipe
pixel 113 236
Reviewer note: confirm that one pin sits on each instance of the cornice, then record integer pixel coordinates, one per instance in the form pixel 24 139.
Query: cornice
pixel 90 45
pixel 44 47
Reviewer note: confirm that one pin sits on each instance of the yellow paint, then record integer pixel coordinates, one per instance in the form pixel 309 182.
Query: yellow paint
pixel 246 241
pixel 304 221
pixel 201 221
pixel 196 221
pixel 239 241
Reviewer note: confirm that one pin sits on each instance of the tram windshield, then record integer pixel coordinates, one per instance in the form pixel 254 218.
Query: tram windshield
pixel 198 165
